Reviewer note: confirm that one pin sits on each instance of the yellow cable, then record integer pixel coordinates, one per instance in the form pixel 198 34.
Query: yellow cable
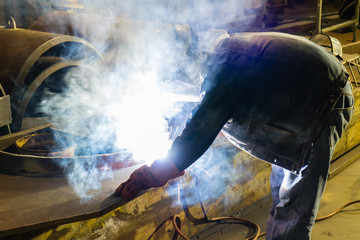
pixel 257 228
pixel 337 210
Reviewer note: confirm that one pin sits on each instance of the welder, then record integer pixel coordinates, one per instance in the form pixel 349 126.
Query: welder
pixel 279 97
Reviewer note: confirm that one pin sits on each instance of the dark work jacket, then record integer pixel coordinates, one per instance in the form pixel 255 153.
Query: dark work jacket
pixel 270 93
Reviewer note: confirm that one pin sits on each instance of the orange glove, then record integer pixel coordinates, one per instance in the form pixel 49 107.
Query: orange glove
pixel 145 177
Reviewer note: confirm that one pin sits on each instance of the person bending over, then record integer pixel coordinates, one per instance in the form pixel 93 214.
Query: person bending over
pixel 279 97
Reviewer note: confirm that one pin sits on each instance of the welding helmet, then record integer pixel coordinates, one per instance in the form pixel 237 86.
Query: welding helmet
pixel 330 43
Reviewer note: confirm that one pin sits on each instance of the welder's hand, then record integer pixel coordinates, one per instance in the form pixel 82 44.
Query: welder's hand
pixel 145 177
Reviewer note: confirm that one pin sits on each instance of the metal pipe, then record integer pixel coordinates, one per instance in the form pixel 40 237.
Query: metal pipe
pixel 47 61
pixel 337 26
pixel 318 16
pixel 356 20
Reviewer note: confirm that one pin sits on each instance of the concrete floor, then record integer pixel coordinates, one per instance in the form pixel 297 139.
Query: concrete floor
pixel 340 189
pixel 343 188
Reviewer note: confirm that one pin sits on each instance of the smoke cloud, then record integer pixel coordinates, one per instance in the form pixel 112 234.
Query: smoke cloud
pixel 141 100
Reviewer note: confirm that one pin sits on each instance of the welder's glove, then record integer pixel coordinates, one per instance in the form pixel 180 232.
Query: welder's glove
pixel 145 177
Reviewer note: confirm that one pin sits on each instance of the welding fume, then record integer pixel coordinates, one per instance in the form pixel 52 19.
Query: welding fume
pixel 265 93
pixel 157 83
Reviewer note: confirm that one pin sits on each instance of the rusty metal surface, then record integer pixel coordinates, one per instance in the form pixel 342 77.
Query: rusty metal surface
pixel 46 144
pixel 123 37
pixel 14 52
pixel 21 48
pixel 25 54
pixel 34 194
pixel 52 70
pixel 117 30
pixel 16 161
pixel 9 139
pixel 28 204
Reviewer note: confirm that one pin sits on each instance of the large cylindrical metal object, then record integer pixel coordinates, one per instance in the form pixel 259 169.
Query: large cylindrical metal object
pixel 93 26
pixel 25 54
pixel 52 79
pixel 119 35
pixel 130 45
pixel 21 50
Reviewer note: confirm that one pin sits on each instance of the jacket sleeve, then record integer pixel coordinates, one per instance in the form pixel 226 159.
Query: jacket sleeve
pixel 209 117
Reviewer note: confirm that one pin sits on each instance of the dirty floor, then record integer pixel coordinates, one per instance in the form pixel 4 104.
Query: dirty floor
pixel 342 188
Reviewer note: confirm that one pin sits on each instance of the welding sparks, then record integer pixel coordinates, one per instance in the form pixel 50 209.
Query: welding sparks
pixel 141 124
pixel 196 165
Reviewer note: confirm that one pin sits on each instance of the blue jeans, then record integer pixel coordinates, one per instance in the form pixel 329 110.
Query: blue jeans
pixel 296 198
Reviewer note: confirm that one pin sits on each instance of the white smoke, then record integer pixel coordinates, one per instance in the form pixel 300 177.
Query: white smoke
pixel 129 104
pixel 210 178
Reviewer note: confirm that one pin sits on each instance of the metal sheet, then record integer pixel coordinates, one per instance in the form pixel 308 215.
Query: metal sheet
pixel 15 163
pixel 28 204
pixel 7 140
pixel 43 166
